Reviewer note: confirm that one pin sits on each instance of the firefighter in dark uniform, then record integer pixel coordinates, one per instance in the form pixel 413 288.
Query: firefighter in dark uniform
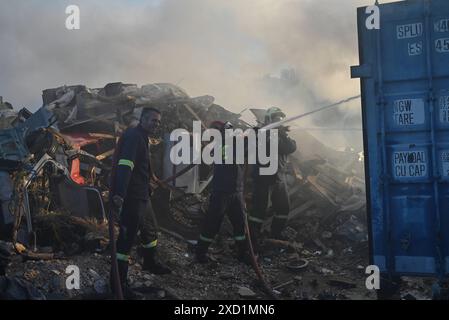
pixel 274 185
pixel 130 195
pixel 226 197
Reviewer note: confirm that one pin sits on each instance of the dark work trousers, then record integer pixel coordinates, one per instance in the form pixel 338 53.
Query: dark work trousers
pixel 221 203
pixel 136 215
pixel 280 201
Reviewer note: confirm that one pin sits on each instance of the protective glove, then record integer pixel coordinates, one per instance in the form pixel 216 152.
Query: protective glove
pixel 283 131
pixel 117 203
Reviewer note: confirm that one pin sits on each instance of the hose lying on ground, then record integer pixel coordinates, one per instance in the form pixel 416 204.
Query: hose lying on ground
pixel 256 266
pixel 114 264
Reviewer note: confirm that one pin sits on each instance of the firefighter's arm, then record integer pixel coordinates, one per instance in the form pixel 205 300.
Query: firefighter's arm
pixel 125 164
pixel 154 180
pixel 286 144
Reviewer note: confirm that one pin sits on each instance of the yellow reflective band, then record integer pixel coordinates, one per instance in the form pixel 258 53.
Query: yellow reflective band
pixel 122 257
pixel 253 219
pixel 124 162
pixel 150 245
pixel 240 238
pixel 206 239
pixel 224 152
pixel 281 217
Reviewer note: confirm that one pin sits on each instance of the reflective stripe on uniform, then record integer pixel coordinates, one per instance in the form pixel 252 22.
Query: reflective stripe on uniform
pixel 254 219
pixel 122 257
pixel 281 217
pixel 124 162
pixel 152 244
pixel 206 239
pixel 224 152
pixel 240 238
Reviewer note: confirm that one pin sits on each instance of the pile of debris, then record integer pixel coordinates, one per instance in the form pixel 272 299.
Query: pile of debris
pixel 7 114
pixel 78 108
pixel 65 148
pixel 55 165
pixel 328 196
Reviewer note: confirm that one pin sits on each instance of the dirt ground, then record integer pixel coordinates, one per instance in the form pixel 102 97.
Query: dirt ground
pixel 336 275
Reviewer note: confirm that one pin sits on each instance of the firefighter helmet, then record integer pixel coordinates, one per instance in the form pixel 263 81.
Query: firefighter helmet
pixel 273 113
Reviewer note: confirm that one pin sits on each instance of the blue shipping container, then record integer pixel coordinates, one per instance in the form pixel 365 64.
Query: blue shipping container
pixel 404 71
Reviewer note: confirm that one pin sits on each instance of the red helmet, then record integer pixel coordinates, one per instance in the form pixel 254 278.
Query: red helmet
pixel 219 125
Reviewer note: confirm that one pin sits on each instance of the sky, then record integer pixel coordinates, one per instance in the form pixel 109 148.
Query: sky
pixel 233 50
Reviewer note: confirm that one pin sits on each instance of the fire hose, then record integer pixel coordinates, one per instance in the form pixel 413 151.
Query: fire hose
pixel 178 174
pixel 268 290
pixel 114 264
pixel 255 264
pixel 291 119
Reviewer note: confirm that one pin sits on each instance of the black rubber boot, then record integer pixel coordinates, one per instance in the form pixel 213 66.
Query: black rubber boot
pixel 254 230
pixel 243 254
pixel 277 226
pixel 152 264
pixel 201 252
pixel 278 236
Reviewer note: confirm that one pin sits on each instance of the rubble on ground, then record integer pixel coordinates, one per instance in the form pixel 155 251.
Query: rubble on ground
pixel 59 165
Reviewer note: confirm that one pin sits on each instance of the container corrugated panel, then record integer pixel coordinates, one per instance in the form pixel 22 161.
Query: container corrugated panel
pixel 404 71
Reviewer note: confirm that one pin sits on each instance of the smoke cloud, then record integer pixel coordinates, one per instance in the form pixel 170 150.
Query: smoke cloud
pixel 294 54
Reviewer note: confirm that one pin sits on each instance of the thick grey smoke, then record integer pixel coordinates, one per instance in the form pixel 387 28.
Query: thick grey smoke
pixel 231 49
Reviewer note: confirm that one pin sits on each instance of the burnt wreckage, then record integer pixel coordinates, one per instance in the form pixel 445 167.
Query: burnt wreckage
pixel 58 159
pixel 60 156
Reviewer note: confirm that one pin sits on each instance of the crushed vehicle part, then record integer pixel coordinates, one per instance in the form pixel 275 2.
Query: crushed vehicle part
pixel 18 289
pixel 80 201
